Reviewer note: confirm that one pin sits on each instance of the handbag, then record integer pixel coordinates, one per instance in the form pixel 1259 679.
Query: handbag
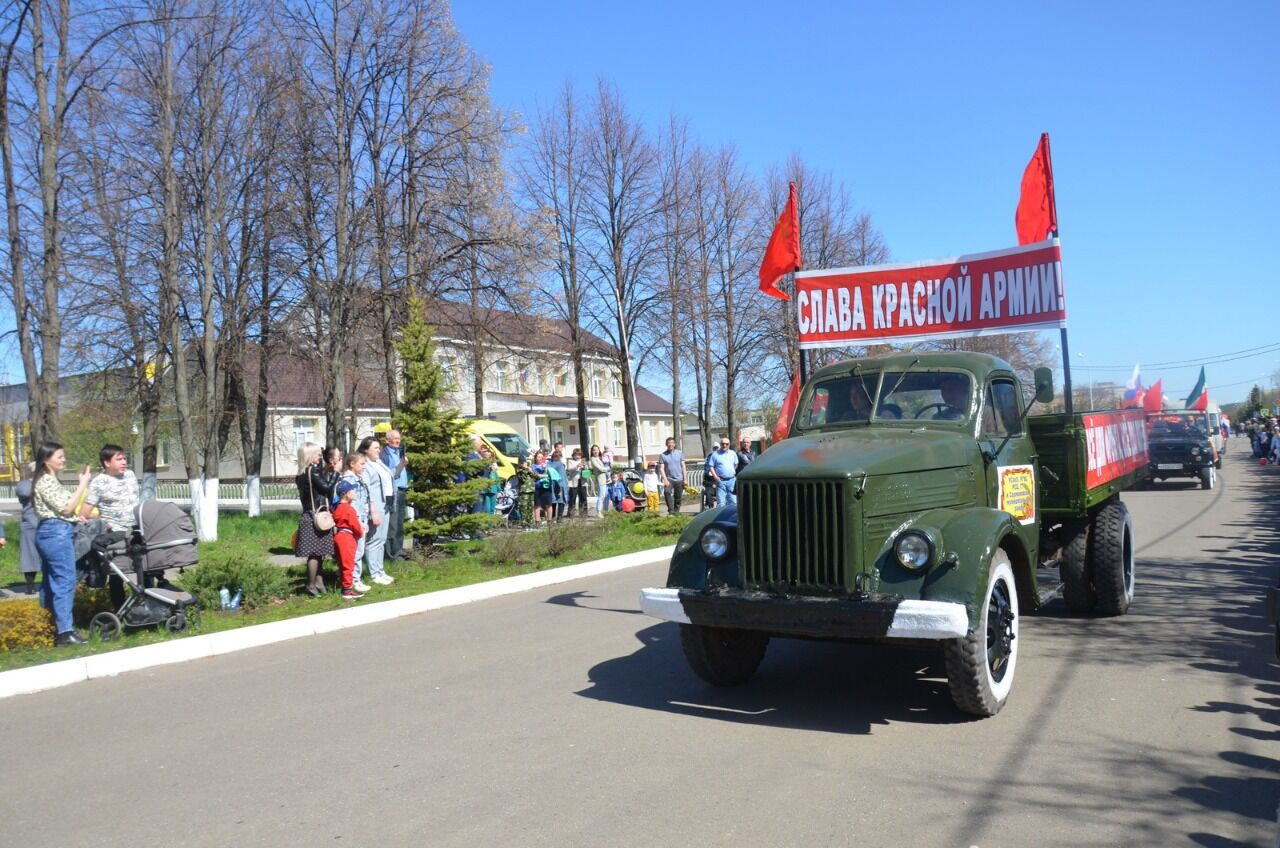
pixel 321 518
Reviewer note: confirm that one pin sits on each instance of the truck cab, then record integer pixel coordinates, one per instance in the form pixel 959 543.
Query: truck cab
pixel 907 503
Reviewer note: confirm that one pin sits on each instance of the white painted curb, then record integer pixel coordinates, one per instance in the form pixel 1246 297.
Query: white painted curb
pixel 37 678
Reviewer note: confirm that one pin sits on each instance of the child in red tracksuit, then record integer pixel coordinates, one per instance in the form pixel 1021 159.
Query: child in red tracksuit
pixel 347 531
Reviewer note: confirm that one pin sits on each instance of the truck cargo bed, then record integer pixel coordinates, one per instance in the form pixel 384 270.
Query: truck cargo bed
pixel 1087 457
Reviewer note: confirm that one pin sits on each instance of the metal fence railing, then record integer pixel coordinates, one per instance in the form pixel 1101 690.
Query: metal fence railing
pixel 179 491
pixel 170 490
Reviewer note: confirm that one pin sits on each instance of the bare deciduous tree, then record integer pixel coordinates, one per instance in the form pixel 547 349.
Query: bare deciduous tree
pixel 623 214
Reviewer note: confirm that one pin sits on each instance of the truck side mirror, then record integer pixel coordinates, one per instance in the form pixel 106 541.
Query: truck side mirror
pixel 1044 384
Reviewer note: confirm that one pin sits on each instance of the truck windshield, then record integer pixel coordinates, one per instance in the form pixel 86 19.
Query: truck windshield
pixel 933 396
pixel 1176 426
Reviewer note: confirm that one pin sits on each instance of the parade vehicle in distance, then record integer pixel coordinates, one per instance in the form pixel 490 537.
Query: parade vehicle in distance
pixel 914 500
pixel 1217 437
pixel 1180 446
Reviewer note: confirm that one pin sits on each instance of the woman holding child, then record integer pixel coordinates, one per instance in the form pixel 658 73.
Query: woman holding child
pixel 543 497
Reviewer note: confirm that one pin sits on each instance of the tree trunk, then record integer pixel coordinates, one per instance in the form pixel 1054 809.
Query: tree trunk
pixel 44 423
pixel 17 251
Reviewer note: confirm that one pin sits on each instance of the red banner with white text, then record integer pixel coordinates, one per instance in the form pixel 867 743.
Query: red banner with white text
pixel 1004 291
pixel 1116 444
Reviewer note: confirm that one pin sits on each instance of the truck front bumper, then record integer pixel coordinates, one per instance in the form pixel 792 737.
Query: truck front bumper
pixel 878 617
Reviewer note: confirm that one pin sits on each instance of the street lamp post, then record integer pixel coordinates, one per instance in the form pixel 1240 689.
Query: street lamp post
pixel 1081 355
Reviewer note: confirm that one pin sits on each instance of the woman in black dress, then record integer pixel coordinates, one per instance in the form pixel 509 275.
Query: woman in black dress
pixel 316 484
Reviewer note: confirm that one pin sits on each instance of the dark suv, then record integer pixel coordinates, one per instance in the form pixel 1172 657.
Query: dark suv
pixel 1180 448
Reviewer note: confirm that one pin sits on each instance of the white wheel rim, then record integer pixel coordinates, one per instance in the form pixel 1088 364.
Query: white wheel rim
pixel 1000 688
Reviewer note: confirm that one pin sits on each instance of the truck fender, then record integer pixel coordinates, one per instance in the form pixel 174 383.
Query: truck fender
pixel 969 538
pixel 689 567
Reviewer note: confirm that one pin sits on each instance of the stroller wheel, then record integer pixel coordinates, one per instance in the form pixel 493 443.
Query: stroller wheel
pixel 176 623
pixel 106 626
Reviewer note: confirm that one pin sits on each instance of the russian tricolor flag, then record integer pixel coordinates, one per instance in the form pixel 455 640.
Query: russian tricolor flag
pixel 1133 391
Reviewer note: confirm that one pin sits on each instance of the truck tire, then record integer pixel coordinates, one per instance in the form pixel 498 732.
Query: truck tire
pixel 1076 575
pixel 1208 477
pixel 723 656
pixel 1111 558
pixel 981 665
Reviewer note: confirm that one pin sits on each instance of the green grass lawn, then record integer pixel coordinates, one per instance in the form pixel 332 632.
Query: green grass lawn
pixel 245 542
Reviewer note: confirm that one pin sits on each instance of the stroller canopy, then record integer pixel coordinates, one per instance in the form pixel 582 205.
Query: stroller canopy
pixel 163 526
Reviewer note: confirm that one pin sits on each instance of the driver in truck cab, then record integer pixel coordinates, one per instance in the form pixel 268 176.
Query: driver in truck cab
pixel 859 405
pixel 955 394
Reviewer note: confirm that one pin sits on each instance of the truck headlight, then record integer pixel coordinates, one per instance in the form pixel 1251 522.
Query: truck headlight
pixel 914 550
pixel 715 543
pixel 1195 451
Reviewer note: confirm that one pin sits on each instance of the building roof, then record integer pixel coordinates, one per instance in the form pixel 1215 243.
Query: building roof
pixel 294 382
pixel 503 328
pixel 648 403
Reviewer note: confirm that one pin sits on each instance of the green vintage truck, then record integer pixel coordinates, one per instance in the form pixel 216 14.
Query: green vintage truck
pixel 915 499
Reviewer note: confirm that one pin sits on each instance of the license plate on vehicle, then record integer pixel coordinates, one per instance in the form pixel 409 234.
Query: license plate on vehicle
pixel 1169 466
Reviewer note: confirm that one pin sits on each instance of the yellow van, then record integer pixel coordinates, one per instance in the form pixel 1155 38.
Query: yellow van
pixel 507 444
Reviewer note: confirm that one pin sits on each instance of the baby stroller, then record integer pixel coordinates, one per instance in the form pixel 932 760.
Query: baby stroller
pixel 506 503
pixel 163 538
pixel 635 490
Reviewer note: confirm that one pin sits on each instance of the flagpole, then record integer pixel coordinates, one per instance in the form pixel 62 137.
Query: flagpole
pixel 1066 353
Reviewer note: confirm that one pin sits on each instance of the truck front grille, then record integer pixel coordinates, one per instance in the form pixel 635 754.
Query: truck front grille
pixel 793 536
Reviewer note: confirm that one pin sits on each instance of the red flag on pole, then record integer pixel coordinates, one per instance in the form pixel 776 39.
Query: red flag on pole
pixel 783 426
pixel 1153 400
pixel 1037 213
pixel 782 256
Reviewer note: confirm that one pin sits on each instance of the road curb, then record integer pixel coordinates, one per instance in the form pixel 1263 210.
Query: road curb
pixel 24 681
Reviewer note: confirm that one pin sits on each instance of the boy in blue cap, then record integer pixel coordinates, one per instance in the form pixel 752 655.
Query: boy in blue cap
pixel 346 535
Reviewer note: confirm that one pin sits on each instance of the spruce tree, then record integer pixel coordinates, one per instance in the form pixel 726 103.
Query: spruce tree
pixel 443 484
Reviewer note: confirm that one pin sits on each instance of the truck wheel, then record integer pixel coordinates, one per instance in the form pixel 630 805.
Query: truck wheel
pixel 1077 577
pixel 980 666
pixel 1111 558
pixel 723 656
pixel 1208 477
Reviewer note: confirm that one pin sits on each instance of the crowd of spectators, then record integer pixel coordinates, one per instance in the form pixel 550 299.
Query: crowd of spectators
pixel 353 508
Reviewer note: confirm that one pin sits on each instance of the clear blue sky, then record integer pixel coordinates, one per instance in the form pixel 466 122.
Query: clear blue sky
pixel 1163 120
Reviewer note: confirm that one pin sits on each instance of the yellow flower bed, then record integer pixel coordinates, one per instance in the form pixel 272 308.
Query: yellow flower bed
pixel 24 625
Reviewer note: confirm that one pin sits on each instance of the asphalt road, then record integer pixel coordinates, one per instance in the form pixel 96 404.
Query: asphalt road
pixel 563 717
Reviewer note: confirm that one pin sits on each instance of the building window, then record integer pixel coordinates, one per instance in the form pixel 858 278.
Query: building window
pixel 653 432
pixel 304 430
pixel 615 386
pixel 617 434
pixel 500 376
pixel 448 372
pixel 597 384
pixel 562 383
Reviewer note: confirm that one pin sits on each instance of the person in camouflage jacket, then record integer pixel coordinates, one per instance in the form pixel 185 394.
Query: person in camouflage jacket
pixel 525 487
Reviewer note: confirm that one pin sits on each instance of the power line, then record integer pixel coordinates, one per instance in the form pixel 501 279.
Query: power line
pixel 1216 359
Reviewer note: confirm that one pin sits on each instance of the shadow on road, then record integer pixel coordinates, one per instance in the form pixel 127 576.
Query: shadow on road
pixel 825 686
